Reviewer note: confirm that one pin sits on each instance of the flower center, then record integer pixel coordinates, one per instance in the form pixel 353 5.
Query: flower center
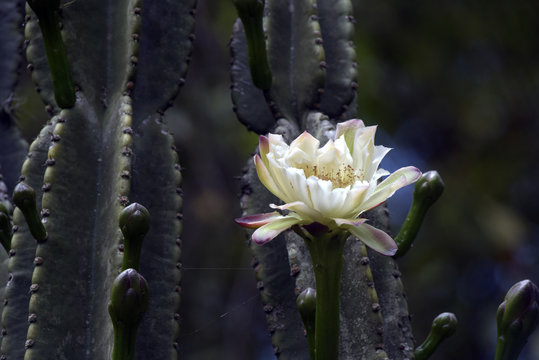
pixel 340 176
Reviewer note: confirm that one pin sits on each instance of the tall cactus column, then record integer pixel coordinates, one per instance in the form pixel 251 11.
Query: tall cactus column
pixel 109 149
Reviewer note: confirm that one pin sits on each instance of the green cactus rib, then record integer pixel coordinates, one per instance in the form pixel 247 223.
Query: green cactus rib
pixel 11 13
pixel 102 64
pixel 166 41
pixel 82 243
pixel 156 184
pixel 336 23
pixel 273 272
pixel 398 338
pixel 250 104
pixel 296 58
pixel 15 314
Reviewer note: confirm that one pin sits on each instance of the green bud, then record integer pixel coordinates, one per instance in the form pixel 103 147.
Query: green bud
pixel 129 298
pixel 134 224
pixel 24 197
pixel 428 189
pixel 5 228
pixel 306 303
pixel 517 317
pixel 443 326
pixel 134 221
pixel 251 13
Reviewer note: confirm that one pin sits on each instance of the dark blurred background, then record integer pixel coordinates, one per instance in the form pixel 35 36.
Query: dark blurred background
pixel 454 86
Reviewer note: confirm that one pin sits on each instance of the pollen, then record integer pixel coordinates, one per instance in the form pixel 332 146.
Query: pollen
pixel 340 176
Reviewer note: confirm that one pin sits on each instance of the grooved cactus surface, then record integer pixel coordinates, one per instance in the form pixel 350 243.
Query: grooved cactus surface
pixel 128 60
pixel 314 72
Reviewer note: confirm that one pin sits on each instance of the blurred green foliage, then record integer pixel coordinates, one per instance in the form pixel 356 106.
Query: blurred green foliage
pixel 456 84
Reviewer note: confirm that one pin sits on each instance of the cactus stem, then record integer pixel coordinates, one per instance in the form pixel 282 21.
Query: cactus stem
pixel 49 22
pixel 251 13
pixel 326 249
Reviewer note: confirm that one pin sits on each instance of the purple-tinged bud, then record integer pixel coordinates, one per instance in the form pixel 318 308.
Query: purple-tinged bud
pixel 517 317
pixel 129 298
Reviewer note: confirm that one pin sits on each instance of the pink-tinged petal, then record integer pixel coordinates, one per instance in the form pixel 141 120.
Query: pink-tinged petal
pixel 269 231
pixel 264 146
pixel 374 238
pixel 257 220
pixel 348 127
pixel 400 178
pixel 302 209
pixel 351 222
pixel 266 178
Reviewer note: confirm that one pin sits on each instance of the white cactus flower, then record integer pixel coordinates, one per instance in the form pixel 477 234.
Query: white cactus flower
pixel 332 185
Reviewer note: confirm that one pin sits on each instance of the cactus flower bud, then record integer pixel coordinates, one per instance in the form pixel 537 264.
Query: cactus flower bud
pixel 129 298
pixel 24 198
pixel 134 224
pixel 443 326
pixel 5 227
pixel 306 303
pixel 428 189
pixel 517 317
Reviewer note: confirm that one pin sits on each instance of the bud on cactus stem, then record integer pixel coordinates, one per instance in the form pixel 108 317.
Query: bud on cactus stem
pixel 134 223
pixel 427 190
pixel 49 23
pixel 25 199
pixel 129 298
pixel 443 326
pixel 306 304
pixel 517 317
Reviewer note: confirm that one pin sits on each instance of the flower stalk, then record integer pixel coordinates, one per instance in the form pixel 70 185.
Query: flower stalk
pixel 326 250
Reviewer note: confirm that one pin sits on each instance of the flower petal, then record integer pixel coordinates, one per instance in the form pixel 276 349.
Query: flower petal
pixel 348 129
pixel 264 146
pixel 402 177
pixel 303 150
pixel 374 238
pixel 267 180
pixel 269 231
pixel 303 210
pixel 352 222
pixel 257 220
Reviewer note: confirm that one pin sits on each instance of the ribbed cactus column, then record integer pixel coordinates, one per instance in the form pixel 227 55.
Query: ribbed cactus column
pixel 111 148
pixel 312 59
